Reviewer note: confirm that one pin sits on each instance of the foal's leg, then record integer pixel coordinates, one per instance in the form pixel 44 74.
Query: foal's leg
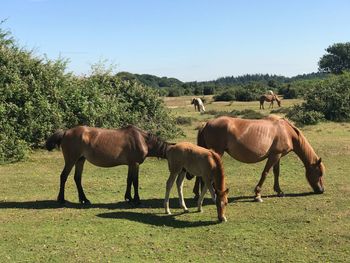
pixel 271 161
pixel 169 185
pixel 198 187
pixel 180 183
pixel 79 165
pixel 63 178
pixel 200 199
pixel 276 185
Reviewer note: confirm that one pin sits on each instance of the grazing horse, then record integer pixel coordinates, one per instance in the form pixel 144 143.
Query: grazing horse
pixel 269 98
pixel 105 148
pixel 252 141
pixel 198 104
pixel 200 162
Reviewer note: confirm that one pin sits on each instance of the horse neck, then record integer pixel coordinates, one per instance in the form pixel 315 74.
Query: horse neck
pixel 303 150
pixel 158 148
pixel 219 178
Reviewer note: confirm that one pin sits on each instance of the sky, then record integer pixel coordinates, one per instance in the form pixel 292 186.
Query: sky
pixel 192 40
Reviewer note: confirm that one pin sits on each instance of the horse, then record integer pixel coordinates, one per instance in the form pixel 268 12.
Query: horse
pixel 252 141
pixel 105 148
pixel 269 98
pixel 200 162
pixel 198 104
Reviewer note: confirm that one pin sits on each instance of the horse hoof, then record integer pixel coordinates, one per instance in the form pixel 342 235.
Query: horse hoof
pixel 222 220
pixel 85 202
pixel 168 212
pixel 200 210
pixel 258 199
pixel 186 211
pixel 280 194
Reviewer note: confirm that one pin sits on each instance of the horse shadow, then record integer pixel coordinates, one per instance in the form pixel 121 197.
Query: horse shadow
pixel 156 219
pixel 53 204
pixel 146 203
pixel 250 198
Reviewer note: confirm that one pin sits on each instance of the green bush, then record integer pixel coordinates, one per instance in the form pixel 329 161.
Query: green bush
pixel 227 95
pixel 329 99
pixel 301 116
pixel 37 97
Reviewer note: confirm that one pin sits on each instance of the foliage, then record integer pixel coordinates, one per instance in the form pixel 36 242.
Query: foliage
pixel 38 97
pixel 227 95
pixel 330 100
pixel 337 58
pixel 300 116
pixel 181 120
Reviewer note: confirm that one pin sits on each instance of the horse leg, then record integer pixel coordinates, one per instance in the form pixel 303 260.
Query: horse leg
pixel 129 181
pixel 169 185
pixel 63 178
pixel 271 161
pixel 180 183
pixel 200 199
pixel 79 165
pixel 197 185
pixel 276 184
pixel 135 183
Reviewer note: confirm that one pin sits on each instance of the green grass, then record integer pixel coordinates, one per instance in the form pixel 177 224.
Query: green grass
pixel 300 227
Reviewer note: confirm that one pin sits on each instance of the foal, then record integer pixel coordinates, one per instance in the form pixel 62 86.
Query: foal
pixel 200 162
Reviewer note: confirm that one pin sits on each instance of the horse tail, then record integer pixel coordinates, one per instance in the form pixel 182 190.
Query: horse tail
pixel 200 137
pixel 219 169
pixel 54 140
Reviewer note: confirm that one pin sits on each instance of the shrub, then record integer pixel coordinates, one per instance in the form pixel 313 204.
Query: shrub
pixel 301 116
pixel 183 120
pixel 227 95
pixel 38 97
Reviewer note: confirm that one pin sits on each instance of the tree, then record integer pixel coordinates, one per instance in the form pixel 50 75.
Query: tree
pixel 337 60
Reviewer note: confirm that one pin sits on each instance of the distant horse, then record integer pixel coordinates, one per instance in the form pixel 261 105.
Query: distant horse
pixel 201 162
pixel 106 148
pixel 252 141
pixel 269 98
pixel 198 104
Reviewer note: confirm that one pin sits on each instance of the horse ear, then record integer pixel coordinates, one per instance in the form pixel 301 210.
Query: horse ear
pixel 227 190
pixel 319 161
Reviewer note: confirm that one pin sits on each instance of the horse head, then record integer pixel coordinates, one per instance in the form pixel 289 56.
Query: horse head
pixel 314 175
pixel 193 100
pixel 278 100
pixel 221 203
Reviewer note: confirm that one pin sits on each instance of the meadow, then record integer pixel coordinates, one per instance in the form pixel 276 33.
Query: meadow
pixel 300 227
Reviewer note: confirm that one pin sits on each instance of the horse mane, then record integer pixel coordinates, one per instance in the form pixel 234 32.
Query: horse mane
pixel 220 182
pixel 159 146
pixel 305 147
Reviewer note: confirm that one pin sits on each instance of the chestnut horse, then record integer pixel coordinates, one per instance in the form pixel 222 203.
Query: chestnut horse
pixel 105 148
pixel 252 141
pixel 269 98
pixel 200 162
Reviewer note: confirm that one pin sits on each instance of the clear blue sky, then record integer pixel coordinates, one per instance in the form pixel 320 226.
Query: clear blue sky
pixel 189 40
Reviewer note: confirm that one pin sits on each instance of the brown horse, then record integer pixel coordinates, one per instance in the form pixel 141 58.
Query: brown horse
pixel 269 98
pixel 106 148
pixel 251 141
pixel 200 162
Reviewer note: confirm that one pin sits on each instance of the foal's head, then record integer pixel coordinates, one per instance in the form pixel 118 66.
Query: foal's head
pixel 221 203
pixel 314 174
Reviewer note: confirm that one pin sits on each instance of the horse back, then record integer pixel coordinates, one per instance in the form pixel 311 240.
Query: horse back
pixel 248 141
pixel 106 147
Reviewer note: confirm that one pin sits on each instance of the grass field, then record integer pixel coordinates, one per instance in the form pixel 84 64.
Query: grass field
pixel 300 227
